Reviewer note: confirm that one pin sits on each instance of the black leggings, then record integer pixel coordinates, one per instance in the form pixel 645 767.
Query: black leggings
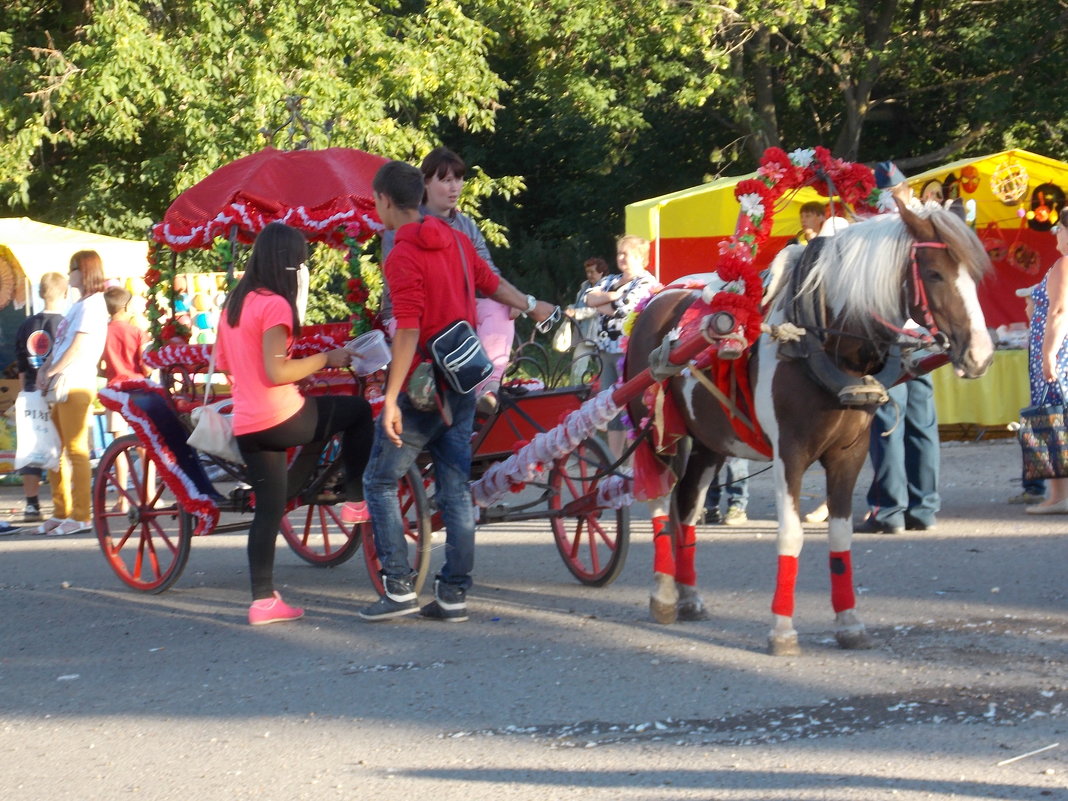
pixel 265 458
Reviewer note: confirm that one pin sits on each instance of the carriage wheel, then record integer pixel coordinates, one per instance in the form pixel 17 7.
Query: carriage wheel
pixel 593 542
pixel 415 512
pixel 144 534
pixel 315 530
pixel 317 534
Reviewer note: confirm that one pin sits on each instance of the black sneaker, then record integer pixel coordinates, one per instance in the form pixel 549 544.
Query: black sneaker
pixel 713 516
pixel 449 604
pixel 7 529
pixel 870 525
pixel 399 600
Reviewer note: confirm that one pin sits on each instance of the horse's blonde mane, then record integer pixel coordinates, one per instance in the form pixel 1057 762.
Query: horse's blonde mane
pixel 860 268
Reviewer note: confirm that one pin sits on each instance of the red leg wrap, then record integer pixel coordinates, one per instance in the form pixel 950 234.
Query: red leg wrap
pixel 685 549
pixel 842 597
pixel 663 547
pixel 785 583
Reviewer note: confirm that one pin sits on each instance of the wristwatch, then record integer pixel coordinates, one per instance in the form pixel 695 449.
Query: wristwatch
pixel 532 303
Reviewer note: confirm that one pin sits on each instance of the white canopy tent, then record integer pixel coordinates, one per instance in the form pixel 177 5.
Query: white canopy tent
pixel 28 249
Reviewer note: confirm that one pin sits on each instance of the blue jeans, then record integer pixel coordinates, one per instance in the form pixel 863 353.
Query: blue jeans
pixel 906 461
pixel 735 477
pixel 1035 486
pixel 450 449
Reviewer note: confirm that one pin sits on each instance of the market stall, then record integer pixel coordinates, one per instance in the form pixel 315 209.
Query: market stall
pixel 1017 197
pixel 990 402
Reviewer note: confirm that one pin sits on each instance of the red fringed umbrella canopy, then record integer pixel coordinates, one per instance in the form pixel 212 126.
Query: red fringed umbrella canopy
pixel 325 193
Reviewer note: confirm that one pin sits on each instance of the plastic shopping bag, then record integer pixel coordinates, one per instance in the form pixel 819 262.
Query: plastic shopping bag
pixel 562 339
pixel 37 441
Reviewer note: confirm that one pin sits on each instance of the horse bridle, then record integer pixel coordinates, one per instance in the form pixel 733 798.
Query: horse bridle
pixel 933 336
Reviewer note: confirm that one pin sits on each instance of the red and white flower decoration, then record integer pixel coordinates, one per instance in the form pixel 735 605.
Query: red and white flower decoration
pixel 779 173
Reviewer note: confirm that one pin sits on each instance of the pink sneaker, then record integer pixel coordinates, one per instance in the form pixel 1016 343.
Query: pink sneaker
pixel 272 610
pixel 355 512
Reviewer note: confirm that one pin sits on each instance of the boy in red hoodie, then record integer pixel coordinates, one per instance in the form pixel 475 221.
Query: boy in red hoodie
pixel 122 360
pixel 425 272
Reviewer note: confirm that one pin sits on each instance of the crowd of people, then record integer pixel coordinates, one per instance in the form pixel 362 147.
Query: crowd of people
pixel 438 271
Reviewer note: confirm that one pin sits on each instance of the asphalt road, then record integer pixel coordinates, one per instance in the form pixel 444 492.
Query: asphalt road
pixel 554 690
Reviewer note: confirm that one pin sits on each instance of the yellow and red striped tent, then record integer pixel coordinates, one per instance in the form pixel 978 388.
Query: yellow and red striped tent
pixel 686 227
pixel 1020 246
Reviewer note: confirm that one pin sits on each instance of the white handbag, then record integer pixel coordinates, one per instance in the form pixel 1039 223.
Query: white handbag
pixel 562 338
pixel 213 431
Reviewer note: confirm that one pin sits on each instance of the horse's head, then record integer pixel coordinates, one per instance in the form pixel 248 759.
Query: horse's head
pixel 945 263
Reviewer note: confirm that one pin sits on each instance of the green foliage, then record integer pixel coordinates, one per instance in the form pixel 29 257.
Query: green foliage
pixel 142 103
pixel 327 287
pixel 564 111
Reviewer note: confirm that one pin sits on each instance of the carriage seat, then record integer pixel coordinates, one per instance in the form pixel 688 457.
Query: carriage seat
pixel 163 417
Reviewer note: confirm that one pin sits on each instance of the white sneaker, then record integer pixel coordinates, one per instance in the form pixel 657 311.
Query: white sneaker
pixel 69 527
pixel 817 515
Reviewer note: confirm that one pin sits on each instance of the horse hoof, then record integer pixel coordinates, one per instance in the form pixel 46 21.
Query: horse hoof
pixel 691 605
pixel 854 640
pixel 784 646
pixel 662 612
pixel 693 611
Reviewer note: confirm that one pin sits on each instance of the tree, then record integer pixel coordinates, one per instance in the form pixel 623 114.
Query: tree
pixel 878 78
pixel 120 106
pixel 564 110
pixel 591 120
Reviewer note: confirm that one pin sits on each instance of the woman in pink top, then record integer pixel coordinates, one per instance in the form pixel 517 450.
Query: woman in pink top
pixel 257 327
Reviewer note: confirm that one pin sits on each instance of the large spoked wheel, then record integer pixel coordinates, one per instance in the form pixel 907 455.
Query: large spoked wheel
pixel 317 534
pixel 592 541
pixel 314 529
pixel 144 534
pixel 415 512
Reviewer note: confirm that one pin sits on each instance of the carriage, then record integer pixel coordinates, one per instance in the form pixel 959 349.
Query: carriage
pixel 153 493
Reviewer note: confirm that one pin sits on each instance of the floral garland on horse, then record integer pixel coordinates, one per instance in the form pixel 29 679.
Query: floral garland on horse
pixel 779 173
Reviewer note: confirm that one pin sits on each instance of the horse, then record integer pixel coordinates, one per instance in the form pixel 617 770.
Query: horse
pixel 863 283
